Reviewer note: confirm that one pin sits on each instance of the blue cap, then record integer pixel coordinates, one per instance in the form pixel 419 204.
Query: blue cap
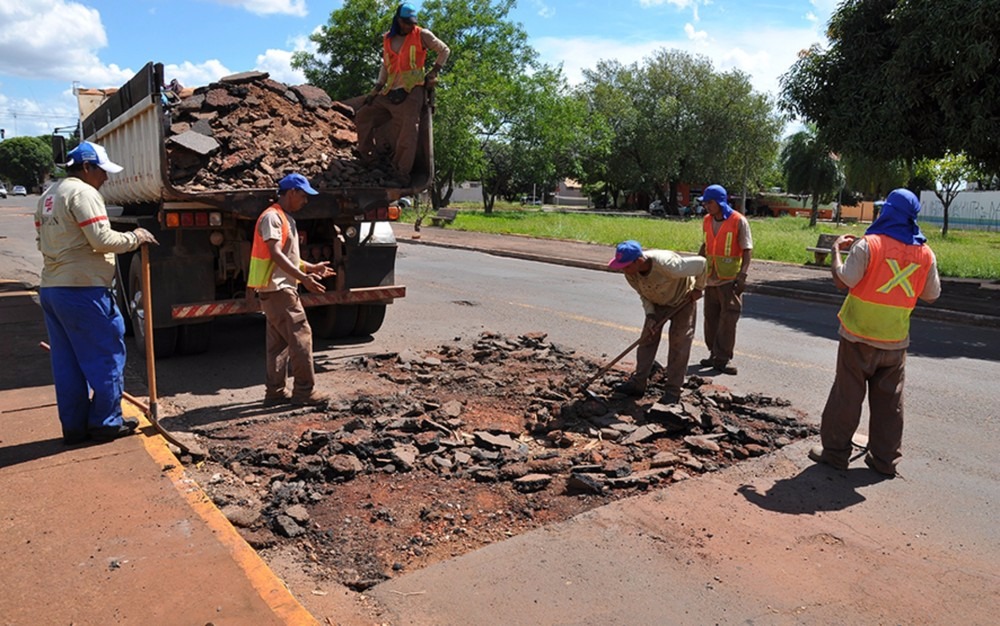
pixel 408 12
pixel 88 152
pixel 296 181
pixel 625 254
pixel 719 194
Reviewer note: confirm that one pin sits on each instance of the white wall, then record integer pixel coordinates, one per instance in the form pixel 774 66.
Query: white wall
pixel 970 210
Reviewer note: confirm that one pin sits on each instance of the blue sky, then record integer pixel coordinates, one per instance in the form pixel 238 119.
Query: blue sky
pixel 47 45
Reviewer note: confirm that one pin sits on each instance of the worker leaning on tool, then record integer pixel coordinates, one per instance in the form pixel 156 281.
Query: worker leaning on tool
pixel 669 286
pixel 86 330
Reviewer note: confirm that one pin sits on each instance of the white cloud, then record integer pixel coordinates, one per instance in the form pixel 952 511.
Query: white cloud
pixel 278 63
pixel 762 53
pixel 270 7
pixel 680 4
pixel 543 9
pixel 195 74
pixel 55 39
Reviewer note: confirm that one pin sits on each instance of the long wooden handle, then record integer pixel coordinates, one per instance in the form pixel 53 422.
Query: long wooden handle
pixel 147 307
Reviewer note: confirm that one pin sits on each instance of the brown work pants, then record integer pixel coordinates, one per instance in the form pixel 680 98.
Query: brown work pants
pixel 403 131
pixel 289 343
pixel 862 367
pixel 722 310
pixel 679 340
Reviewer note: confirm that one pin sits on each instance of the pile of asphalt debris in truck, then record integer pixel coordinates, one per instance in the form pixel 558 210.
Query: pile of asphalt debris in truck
pixel 464 445
pixel 246 131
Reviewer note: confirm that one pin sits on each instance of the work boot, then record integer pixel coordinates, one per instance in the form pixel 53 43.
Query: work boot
pixel 819 455
pixel 874 465
pixel 670 397
pixel 314 398
pixel 631 387
pixel 110 433
pixel 725 368
pixel 276 399
pixel 74 438
pixel 708 362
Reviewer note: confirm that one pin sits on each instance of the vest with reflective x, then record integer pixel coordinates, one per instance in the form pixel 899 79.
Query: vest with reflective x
pixel 408 63
pixel 879 306
pixel 261 264
pixel 723 249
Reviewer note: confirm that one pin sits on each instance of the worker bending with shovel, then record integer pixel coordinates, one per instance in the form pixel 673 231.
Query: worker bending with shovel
pixel 669 286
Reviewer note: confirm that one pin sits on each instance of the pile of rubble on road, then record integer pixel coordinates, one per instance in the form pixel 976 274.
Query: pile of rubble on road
pixel 502 414
pixel 246 131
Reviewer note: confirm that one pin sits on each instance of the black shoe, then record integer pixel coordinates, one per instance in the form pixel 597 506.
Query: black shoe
pixel 709 362
pixel 72 439
pixel 110 433
pixel 670 398
pixel 726 368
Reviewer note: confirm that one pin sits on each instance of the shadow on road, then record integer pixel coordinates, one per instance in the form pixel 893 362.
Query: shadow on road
pixel 929 338
pixel 814 489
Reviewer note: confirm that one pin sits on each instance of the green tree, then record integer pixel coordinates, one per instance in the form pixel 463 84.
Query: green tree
pixel 675 120
pixel 947 177
pixel 25 160
pixel 489 56
pixel 904 80
pixel 348 48
pixel 810 168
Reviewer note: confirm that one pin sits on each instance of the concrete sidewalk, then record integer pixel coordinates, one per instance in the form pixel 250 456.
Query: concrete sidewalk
pixel 112 533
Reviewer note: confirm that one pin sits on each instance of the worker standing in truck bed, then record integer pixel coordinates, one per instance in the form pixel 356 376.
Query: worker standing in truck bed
pixel 399 94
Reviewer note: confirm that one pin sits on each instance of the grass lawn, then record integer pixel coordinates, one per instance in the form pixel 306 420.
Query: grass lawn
pixel 963 254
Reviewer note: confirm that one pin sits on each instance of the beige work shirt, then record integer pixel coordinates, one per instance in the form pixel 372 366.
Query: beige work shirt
pixel 270 228
pixel 670 280
pixel 75 237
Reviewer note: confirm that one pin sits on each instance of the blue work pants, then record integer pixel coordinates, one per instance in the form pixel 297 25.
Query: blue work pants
pixel 87 338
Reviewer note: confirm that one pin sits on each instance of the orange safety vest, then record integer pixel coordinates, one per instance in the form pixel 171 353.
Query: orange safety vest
pixel 879 307
pixel 261 264
pixel 408 63
pixel 722 249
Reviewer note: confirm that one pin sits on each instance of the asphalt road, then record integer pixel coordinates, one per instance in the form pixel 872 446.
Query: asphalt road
pixel 785 348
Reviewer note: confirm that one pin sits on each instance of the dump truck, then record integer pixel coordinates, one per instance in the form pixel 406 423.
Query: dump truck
pixel 199 190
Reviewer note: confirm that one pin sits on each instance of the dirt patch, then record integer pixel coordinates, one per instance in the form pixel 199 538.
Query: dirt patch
pixel 465 445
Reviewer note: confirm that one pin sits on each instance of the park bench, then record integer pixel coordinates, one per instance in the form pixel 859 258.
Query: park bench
pixel 823 247
pixel 443 217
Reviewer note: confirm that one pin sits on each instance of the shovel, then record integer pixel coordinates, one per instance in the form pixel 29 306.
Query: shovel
pixel 604 370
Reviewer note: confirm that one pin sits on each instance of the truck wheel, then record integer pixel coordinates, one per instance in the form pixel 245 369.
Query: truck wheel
pixel 194 338
pixel 164 339
pixel 334 321
pixel 370 318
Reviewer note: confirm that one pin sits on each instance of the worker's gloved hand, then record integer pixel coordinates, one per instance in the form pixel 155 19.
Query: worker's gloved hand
pixel 740 284
pixel 144 236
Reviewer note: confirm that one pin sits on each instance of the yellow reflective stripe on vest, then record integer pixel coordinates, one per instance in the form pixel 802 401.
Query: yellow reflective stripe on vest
pixel 878 322
pixel 900 278
pixel 261 264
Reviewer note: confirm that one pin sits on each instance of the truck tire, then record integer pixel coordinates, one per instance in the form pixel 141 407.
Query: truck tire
pixel 370 318
pixel 334 321
pixel 164 339
pixel 194 338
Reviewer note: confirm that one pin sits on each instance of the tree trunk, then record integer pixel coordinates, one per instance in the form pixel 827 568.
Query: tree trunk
pixel 814 214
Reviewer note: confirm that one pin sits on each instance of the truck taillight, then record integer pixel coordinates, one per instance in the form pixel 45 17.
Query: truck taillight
pixel 381 214
pixel 192 219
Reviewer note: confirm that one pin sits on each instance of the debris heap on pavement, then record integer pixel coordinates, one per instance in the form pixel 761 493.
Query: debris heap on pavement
pixel 246 131
pixel 471 444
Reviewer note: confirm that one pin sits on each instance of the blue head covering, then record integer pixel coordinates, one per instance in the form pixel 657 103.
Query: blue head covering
pixel 898 218
pixel 718 193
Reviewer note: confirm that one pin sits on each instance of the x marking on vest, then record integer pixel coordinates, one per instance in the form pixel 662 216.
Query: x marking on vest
pixel 900 278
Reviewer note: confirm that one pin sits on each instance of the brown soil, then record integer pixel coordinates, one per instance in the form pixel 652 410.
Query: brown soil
pixel 464 446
